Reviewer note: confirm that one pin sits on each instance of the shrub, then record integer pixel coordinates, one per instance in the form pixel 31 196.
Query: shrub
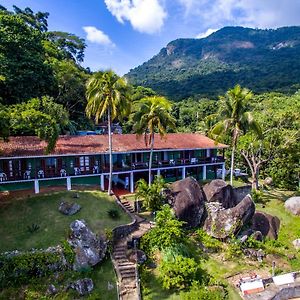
pixel 234 249
pixel 178 273
pixel 68 252
pixel 257 196
pixel 153 198
pixel 33 228
pixel 207 241
pixel 113 213
pixel 23 267
pixel 167 232
pixel 201 292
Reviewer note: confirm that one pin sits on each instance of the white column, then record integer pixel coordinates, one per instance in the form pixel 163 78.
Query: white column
pixel 183 172
pixel 223 171
pixel 131 183
pixel 102 182
pixel 207 152
pixel 158 172
pixel 204 172
pixel 69 184
pixel 36 186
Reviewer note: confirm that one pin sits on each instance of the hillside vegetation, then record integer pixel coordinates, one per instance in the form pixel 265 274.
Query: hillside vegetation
pixel 262 60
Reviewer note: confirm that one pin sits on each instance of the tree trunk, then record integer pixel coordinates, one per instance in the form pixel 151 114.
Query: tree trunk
pixel 255 179
pixel 232 163
pixel 110 151
pixel 150 158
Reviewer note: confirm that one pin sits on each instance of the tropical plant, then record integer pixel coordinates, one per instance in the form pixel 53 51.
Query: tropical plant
pixel 234 118
pixel 168 231
pixel 152 195
pixel 152 114
pixel 107 93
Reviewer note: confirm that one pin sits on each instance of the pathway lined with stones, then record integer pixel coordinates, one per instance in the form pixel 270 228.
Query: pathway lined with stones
pixel 126 270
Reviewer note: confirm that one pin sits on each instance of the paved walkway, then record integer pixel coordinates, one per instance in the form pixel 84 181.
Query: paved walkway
pixel 127 271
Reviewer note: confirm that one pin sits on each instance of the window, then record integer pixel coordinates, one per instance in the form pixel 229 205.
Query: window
pixel 51 162
pixel 10 168
pixel 84 163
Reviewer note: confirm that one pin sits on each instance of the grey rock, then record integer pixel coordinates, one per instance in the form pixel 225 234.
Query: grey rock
pixel 293 205
pixel 296 244
pixel 69 209
pixel 89 249
pixel 187 199
pixel 220 191
pixel 221 223
pixel 267 224
pixel 83 286
pixel 52 290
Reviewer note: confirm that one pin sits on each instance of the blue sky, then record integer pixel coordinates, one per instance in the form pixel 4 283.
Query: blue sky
pixel 121 34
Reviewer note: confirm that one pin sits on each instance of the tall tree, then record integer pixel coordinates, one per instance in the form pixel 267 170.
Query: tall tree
pixel 234 118
pixel 152 114
pixel 108 94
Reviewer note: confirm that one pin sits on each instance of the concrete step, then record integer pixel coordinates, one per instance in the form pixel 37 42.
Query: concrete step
pixel 120 256
pixel 129 275
pixel 128 263
pixel 118 252
pixel 126 268
pixel 122 260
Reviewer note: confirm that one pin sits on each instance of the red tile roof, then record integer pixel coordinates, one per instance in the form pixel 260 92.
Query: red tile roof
pixel 33 146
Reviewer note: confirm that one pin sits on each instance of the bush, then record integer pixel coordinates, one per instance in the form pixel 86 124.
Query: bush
pixel 23 267
pixel 201 292
pixel 168 232
pixel 113 213
pixel 33 228
pixel 207 241
pixel 257 196
pixel 178 273
pixel 153 198
pixel 68 252
pixel 234 249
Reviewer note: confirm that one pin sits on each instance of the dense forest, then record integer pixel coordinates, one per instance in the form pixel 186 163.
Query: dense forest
pixel 262 60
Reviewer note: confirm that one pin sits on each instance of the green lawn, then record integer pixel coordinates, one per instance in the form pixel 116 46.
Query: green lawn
pixel 42 210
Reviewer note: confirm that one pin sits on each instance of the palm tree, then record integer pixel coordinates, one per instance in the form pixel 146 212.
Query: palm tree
pixel 152 114
pixel 107 93
pixel 235 118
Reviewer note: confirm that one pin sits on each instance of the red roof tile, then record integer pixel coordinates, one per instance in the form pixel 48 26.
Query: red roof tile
pixel 33 146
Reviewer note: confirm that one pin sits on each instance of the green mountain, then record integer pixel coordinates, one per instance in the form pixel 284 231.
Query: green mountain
pixel 262 60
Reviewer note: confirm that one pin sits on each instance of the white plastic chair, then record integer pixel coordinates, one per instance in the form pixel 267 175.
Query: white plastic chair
pixel 3 177
pixel 27 174
pixel 41 174
pixel 77 171
pixel 63 173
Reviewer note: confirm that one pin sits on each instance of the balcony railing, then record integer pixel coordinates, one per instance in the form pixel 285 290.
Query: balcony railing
pixel 79 171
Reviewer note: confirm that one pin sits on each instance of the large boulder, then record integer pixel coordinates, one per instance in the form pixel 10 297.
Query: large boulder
pixel 221 223
pixel 89 249
pixel 187 199
pixel 267 224
pixel 219 191
pixel 69 209
pixel 293 205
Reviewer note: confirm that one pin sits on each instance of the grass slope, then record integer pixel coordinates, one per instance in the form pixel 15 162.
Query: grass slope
pixel 42 210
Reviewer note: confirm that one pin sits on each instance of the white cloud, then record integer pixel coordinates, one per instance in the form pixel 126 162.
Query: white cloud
pixel 253 13
pixel 208 32
pixel 144 15
pixel 97 36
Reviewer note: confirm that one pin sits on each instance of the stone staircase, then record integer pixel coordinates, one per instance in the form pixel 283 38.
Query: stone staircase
pixel 126 270
pixel 128 206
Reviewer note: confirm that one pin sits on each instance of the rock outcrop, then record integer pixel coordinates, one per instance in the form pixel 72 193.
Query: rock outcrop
pixel 267 224
pixel 69 209
pixel 89 249
pixel 83 286
pixel 293 205
pixel 296 244
pixel 221 223
pixel 187 199
pixel 220 191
